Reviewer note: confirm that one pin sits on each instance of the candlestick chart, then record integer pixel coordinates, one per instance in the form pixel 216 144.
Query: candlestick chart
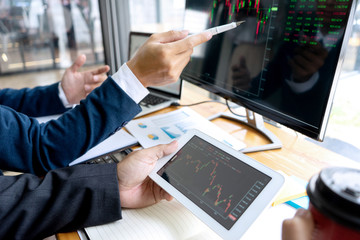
pixel 208 172
pixel 241 9
pixel 214 179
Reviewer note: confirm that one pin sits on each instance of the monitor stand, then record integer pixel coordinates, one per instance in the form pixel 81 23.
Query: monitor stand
pixel 255 121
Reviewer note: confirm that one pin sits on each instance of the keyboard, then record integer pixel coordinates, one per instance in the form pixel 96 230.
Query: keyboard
pixel 111 157
pixel 152 100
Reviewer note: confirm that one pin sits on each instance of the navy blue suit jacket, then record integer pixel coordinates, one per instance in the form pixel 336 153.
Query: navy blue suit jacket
pixel 28 146
pixel 65 199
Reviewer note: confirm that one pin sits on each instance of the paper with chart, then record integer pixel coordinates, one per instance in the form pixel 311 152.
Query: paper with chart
pixel 167 127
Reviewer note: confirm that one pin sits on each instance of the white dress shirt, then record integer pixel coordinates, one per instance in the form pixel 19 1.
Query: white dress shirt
pixel 126 80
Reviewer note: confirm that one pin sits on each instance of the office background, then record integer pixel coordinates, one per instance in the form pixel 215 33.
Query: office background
pixel 40 38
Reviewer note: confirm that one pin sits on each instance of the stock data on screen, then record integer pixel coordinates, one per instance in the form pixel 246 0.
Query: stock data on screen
pixel 283 58
pixel 305 17
pixel 218 183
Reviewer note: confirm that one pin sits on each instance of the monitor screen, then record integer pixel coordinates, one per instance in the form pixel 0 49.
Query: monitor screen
pixel 282 63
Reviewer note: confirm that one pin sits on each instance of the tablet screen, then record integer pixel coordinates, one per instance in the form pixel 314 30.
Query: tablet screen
pixel 220 184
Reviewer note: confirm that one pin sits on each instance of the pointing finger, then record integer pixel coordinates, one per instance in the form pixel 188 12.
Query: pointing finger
pixel 191 42
pixel 170 36
pixel 101 70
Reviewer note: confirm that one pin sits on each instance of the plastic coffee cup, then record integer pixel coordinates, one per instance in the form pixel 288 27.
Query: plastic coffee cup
pixel 334 196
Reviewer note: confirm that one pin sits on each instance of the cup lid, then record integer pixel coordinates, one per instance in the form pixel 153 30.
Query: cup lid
pixel 335 192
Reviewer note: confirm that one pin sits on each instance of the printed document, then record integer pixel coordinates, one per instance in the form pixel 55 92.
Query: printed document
pixel 167 127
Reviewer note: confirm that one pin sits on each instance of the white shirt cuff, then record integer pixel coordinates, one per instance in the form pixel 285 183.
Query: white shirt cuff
pixel 129 83
pixel 63 98
pixel 305 86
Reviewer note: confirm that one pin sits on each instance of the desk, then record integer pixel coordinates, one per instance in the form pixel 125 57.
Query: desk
pixel 297 156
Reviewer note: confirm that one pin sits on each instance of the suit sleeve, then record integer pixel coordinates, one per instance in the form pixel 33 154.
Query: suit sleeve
pixel 64 200
pixel 35 102
pixel 28 146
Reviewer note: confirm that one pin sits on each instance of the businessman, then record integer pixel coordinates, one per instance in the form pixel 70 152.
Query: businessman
pixel 70 198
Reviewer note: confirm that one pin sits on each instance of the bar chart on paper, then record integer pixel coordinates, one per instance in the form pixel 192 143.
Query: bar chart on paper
pixel 164 128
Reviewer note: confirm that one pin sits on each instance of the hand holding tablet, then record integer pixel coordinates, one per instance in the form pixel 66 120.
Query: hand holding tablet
pixel 224 188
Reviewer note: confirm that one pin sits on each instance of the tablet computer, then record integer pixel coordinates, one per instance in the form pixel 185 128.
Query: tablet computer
pixel 224 188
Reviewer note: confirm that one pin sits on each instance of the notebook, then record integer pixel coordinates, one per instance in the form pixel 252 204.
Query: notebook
pixel 159 97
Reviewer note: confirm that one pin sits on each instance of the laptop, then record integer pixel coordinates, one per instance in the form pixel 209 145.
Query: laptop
pixel 159 97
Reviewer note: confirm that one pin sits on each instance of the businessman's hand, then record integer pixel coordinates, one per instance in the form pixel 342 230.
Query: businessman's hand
pixel 300 227
pixel 163 57
pixel 137 190
pixel 307 61
pixel 77 85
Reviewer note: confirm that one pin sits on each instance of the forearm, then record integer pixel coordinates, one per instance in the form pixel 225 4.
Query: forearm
pixel 65 200
pixel 39 101
pixel 105 111
pixel 38 148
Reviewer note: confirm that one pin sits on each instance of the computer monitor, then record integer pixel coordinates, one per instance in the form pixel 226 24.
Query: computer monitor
pixel 282 63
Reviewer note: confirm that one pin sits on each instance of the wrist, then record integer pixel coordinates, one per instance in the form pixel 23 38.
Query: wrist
pixel 63 98
pixel 136 71
pixel 129 83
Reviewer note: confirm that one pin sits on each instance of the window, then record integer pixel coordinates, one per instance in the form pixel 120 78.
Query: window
pixel 344 125
pixel 44 34
pixel 156 15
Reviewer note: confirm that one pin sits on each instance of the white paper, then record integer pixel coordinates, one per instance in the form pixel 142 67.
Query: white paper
pixel 171 220
pixel 269 224
pixel 167 127
pixel 162 221
pixel 118 140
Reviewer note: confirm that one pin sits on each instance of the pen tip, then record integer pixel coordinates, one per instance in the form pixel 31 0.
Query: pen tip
pixel 240 22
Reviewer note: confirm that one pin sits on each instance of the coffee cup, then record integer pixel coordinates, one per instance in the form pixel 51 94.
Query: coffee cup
pixel 334 196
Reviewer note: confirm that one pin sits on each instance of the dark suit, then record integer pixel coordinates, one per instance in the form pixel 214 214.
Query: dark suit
pixel 28 146
pixel 66 199
pixel 39 101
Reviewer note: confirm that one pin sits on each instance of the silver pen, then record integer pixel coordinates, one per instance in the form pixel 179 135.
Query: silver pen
pixel 224 28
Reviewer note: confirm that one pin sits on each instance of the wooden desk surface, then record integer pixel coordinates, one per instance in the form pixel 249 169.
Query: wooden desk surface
pixel 297 157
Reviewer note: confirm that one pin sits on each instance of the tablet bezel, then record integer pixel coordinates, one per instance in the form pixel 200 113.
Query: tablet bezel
pixel 263 200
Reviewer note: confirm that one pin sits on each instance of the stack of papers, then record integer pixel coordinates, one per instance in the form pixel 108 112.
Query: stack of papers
pixel 292 189
pixel 164 128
